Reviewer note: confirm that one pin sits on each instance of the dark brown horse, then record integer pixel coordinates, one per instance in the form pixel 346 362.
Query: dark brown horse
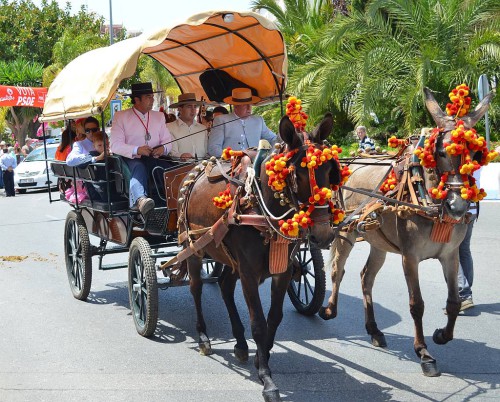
pixel 410 236
pixel 247 249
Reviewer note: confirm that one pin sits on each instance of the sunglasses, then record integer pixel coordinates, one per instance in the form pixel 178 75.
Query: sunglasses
pixel 91 130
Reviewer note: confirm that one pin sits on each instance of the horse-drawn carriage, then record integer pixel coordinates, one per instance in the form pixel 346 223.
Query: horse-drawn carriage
pixel 208 55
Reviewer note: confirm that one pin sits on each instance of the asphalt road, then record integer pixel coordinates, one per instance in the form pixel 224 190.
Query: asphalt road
pixel 55 348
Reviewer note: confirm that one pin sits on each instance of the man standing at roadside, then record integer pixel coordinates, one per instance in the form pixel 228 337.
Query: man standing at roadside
pixel 191 136
pixel 140 136
pixel 8 164
pixel 365 142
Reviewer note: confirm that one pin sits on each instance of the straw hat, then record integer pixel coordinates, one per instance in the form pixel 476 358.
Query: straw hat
pixel 189 98
pixel 241 96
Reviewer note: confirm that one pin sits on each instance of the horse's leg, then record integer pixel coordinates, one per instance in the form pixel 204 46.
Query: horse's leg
pixel 450 268
pixel 195 286
pixel 427 362
pixel 339 252
pixel 375 261
pixel 227 283
pixel 250 286
pixel 279 286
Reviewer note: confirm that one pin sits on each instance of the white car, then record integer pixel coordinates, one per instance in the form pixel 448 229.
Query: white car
pixel 31 173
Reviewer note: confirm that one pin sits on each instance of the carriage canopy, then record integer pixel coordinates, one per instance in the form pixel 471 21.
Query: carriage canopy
pixel 245 45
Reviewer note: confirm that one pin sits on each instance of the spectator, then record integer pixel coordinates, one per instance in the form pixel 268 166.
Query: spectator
pixel 365 142
pixel 19 155
pixel 190 136
pixel 239 130
pixel 466 265
pixel 2 146
pixel 8 164
pixel 138 134
pixel 207 119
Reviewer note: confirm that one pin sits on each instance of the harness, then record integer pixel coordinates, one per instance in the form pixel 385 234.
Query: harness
pixel 248 208
pixel 409 197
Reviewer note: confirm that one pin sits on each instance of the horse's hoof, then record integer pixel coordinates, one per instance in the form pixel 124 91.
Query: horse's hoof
pixel 241 354
pixel 326 313
pixel 429 367
pixel 378 340
pixel 439 338
pixel 271 395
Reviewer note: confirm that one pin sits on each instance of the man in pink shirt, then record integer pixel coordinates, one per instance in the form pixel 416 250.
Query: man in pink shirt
pixel 137 134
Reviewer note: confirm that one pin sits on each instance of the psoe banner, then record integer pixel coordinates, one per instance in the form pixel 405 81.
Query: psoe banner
pixel 22 96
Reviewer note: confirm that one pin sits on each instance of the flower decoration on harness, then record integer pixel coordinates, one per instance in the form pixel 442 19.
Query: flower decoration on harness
pixel 464 142
pixel 225 199
pixel 295 113
pixel 394 142
pixel 277 169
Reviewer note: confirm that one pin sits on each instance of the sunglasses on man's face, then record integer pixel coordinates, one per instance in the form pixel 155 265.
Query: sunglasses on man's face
pixel 91 130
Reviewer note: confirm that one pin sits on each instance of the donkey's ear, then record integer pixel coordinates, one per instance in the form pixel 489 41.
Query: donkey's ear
pixel 323 129
pixel 288 133
pixel 335 175
pixel 439 117
pixel 472 118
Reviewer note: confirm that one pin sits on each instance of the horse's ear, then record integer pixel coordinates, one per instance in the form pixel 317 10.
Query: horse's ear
pixel 439 117
pixel 288 133
pixel 335 175
pixel 323 129
pixel 472 118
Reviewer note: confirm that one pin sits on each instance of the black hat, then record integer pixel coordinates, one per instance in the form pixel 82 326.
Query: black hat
pixel 142 88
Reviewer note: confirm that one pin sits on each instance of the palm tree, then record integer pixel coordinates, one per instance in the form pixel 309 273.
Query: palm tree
pixel 380 59
pixel 22 73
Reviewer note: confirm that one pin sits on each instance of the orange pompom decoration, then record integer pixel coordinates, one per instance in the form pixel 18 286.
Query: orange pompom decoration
pixel 228 153
pixel 394 142
pixel 389 183
pixel 295 113
pixel 224 200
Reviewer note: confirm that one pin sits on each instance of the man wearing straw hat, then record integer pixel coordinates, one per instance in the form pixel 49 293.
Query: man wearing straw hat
pixel 191 136
pixel 137 134
pixel 239 130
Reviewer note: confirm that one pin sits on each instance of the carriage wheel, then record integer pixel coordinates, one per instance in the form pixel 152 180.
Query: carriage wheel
pixel 308 284
pixel 211 269
pixel 78 257
pixel 142 287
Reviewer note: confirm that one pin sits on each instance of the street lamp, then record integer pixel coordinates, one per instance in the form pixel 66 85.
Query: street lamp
pixel 110 22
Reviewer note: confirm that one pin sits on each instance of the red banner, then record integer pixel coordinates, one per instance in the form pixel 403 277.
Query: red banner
pixel 22 96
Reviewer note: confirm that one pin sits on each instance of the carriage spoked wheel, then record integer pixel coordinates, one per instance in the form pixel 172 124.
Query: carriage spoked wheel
pixel 211 269
pixel 308 285
pixel 142 287
pixel 78 255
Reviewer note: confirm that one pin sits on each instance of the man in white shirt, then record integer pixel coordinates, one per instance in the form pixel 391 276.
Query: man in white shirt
pixel 191 137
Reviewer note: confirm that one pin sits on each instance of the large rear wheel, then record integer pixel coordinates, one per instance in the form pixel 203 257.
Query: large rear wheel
pixel 308 285
pixel 142 287
pixel 78 256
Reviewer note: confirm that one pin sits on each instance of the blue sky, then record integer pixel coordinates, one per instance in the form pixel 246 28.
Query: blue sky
pixel 151 14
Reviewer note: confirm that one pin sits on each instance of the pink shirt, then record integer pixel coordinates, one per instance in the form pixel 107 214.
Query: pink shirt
pixel 129 132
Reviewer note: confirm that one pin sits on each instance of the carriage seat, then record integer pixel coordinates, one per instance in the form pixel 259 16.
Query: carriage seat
pixel 95 174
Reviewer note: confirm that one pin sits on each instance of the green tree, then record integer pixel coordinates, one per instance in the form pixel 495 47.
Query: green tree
pixel 22 73
pixel 376 62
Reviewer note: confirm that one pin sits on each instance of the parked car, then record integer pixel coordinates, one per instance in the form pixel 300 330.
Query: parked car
pixel 31 173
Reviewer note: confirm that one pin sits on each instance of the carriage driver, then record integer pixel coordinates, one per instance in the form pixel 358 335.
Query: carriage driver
pixel 239 130
pixel 137 134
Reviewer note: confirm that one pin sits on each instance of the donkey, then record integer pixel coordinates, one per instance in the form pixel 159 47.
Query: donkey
pixel 247 249
pixel 410 236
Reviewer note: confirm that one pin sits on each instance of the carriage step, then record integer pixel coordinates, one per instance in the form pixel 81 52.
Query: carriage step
pixel 109 267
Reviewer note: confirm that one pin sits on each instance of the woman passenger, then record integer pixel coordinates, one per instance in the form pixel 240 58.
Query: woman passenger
pixel 67 138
